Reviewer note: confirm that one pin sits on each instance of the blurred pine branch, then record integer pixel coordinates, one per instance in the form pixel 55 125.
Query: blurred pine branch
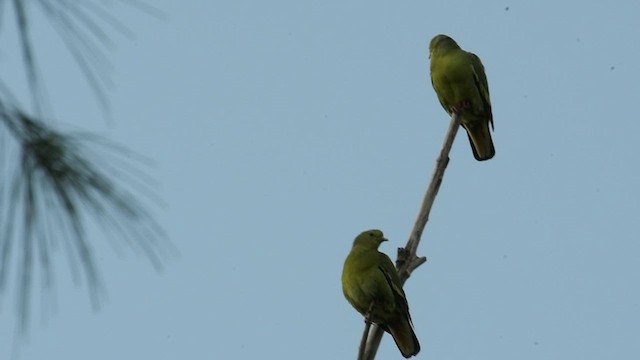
pixel 53 182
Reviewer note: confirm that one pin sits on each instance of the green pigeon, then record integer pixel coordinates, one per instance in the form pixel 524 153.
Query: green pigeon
pixel 461 85
pixel 372 286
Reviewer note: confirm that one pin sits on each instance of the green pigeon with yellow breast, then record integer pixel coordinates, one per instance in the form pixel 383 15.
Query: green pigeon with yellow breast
pixel 460 82
pixel 371 284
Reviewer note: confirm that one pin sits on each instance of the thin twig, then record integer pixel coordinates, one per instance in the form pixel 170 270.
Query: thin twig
pixel 407 258
pixel 365 334
pixel 363 342
pixel 434 186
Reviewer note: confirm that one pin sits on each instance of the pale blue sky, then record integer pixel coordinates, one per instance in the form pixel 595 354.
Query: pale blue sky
pixel 281 129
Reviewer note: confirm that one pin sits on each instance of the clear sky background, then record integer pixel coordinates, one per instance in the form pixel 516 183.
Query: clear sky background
pixel 279 130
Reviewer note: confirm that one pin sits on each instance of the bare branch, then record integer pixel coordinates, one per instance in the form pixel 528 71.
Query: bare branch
pixel 407 260
pixel 363 342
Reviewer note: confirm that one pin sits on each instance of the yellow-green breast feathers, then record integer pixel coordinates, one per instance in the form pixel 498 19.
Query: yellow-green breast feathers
pixel 460 82
pixel 371 284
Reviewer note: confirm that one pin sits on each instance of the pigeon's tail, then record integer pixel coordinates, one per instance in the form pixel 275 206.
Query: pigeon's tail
pixel 480 139
pixel 404 336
